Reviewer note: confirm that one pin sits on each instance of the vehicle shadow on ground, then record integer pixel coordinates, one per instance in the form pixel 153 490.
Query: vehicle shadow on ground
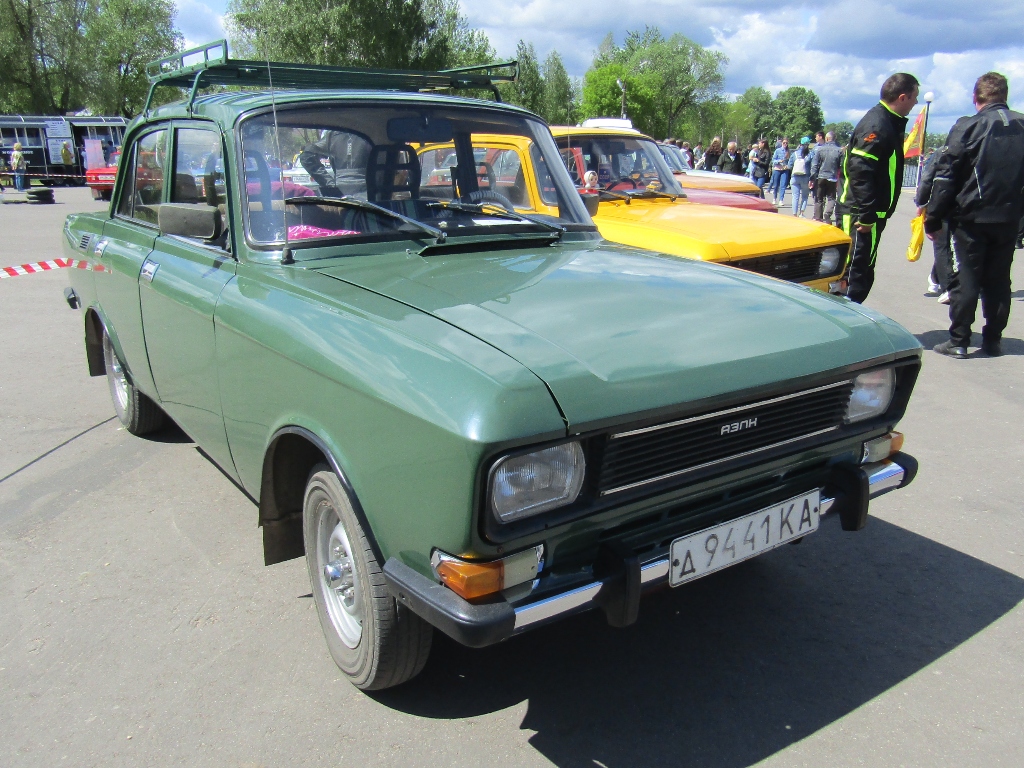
pixel 731 669
pixel 930 338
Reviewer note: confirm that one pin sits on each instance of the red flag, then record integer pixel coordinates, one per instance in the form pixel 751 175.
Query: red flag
pixel 914 144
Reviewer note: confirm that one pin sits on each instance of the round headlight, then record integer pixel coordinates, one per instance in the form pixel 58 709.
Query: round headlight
pixel 872 393
pixel 523 486
pixel 830 261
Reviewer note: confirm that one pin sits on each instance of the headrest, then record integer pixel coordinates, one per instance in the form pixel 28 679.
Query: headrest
pixel 392 169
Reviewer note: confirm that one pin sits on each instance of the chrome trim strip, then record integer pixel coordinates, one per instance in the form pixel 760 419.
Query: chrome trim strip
pixel 556 605
pixel 737 409
pixel 717 461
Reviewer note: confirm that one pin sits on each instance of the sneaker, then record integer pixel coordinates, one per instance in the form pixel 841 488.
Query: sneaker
pixel 992 347
pixel 933 291
pixel 944 298
pixel 951 350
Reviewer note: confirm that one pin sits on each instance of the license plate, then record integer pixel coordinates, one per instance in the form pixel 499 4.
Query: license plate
pixel 723 545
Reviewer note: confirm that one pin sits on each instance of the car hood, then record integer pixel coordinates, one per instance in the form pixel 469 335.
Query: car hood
pixel 729 199
pixel 616 332
pixel 710 232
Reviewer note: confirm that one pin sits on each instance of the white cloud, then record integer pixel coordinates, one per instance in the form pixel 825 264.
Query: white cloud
pixel 200 22
pixel 774 43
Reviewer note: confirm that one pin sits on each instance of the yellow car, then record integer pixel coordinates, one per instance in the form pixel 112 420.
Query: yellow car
pixel 635 200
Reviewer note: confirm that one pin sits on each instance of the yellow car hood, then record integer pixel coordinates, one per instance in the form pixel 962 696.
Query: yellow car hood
pixel 710 232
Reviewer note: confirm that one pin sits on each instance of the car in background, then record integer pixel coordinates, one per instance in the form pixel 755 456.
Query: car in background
pixel 691 179
pixel 101 180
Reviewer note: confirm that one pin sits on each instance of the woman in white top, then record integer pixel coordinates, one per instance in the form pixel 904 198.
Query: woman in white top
pixel 801 167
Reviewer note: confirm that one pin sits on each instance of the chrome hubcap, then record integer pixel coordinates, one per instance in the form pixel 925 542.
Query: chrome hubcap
pixel 120 383
pixel 339 581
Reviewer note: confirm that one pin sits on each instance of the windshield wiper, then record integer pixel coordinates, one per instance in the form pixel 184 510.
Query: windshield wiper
pixel 656 193
pixel 348 201
pixel 604 194
pixel 501 213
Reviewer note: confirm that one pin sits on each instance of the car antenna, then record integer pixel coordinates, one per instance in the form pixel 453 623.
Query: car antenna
pixel 286 252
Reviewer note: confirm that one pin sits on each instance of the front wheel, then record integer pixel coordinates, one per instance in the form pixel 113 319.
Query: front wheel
pixel 375 641
pixel 136 412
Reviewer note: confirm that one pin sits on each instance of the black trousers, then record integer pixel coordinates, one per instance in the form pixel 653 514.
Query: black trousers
pixel 824 200
pixel 860 271
pixel 942 270
pixel 982 257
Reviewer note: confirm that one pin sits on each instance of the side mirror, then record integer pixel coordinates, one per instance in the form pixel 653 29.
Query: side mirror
pixel 591 202
pixel 189 220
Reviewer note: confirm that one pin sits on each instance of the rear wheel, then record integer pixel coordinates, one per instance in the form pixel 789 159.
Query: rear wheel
pixel 375 641
pixel 136 412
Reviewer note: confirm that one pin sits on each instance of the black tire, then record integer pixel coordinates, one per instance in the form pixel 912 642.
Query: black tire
pixel 136 412
pixel 391 644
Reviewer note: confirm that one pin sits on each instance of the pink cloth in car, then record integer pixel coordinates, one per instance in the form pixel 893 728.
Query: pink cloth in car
pixel 306 231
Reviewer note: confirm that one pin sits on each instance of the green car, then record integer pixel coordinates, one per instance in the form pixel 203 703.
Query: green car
pixel 465 416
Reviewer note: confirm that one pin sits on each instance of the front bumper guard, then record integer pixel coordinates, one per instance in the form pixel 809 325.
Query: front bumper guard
pixel 480 624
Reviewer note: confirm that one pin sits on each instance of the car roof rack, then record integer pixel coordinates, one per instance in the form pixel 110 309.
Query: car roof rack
pixel 210 64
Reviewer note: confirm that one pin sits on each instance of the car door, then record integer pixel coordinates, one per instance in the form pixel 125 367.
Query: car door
pixel 181 281
pixel 127 241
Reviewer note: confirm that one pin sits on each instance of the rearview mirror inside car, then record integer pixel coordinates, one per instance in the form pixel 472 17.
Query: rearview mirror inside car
pixel 421 130
pixel 189 220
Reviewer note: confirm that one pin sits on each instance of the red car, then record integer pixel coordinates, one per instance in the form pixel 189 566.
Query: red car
pixel 101 180
pixel 730 199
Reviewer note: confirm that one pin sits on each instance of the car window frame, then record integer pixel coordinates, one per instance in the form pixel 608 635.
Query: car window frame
pixel 145 131
pixel 211 126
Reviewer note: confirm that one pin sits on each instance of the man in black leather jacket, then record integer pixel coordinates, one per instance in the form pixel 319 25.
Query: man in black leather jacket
pixel 872 177
pixel 979 189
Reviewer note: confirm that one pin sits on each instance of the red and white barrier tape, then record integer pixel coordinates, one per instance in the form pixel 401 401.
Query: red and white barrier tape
pixel 47 266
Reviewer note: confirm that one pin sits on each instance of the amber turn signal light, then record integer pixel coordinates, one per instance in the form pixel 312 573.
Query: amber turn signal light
pixel 472 578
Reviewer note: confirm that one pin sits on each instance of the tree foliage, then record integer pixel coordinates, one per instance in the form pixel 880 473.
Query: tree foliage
pixel 58 56
pixel 560 102
pixel 759 101
pixel 796 112
pixel 683 74
pixel 602 96
pixel 842 131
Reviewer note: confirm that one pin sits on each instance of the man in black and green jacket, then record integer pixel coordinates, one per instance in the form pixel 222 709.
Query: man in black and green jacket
pixel 872 177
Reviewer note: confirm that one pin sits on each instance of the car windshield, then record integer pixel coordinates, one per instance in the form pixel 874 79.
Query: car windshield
pixel 311 173
pixel 673 157
pixel 620 164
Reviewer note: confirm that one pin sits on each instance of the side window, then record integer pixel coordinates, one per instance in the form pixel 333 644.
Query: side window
pixel 124 205
pixel 196 166
pixel 144 188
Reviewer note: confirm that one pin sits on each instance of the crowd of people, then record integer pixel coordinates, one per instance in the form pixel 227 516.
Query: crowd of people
pixel 970 196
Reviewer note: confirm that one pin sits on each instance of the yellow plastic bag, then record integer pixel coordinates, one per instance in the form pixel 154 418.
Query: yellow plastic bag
pixel 916 238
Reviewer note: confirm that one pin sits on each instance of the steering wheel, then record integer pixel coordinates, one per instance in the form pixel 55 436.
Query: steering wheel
pixel 614 184
pixel 490 196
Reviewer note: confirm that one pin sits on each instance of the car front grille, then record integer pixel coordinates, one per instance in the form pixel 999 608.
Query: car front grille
pixel 795 267
pixel 661 452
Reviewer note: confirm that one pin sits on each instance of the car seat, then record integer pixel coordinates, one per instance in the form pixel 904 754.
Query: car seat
pixel 392 173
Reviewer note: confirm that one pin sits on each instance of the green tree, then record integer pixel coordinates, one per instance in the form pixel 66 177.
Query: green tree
pixel 465 46
pixel 797 112
pixel 842 131
pixel 602 96
pixel 687 74
pixel 44 54
pixel 560 103
pixel 125 35
pixel 738 123
pixel 528 90
pixel 759 101
pixel 371 33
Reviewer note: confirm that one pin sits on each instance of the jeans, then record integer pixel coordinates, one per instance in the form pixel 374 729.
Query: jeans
pixel 800 192
pixel 19 181
pixel 780 180
pixel 759 181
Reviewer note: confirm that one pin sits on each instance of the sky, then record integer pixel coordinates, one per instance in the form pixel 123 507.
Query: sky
pixel 842 50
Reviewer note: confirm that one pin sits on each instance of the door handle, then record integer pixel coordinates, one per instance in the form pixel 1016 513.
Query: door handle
pixel 149 268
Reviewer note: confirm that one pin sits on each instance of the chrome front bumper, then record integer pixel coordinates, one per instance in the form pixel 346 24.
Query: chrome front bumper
pixel 481 624
pixel 882 477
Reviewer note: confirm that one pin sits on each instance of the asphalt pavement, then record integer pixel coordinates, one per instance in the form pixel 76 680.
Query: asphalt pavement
pixel 138 625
